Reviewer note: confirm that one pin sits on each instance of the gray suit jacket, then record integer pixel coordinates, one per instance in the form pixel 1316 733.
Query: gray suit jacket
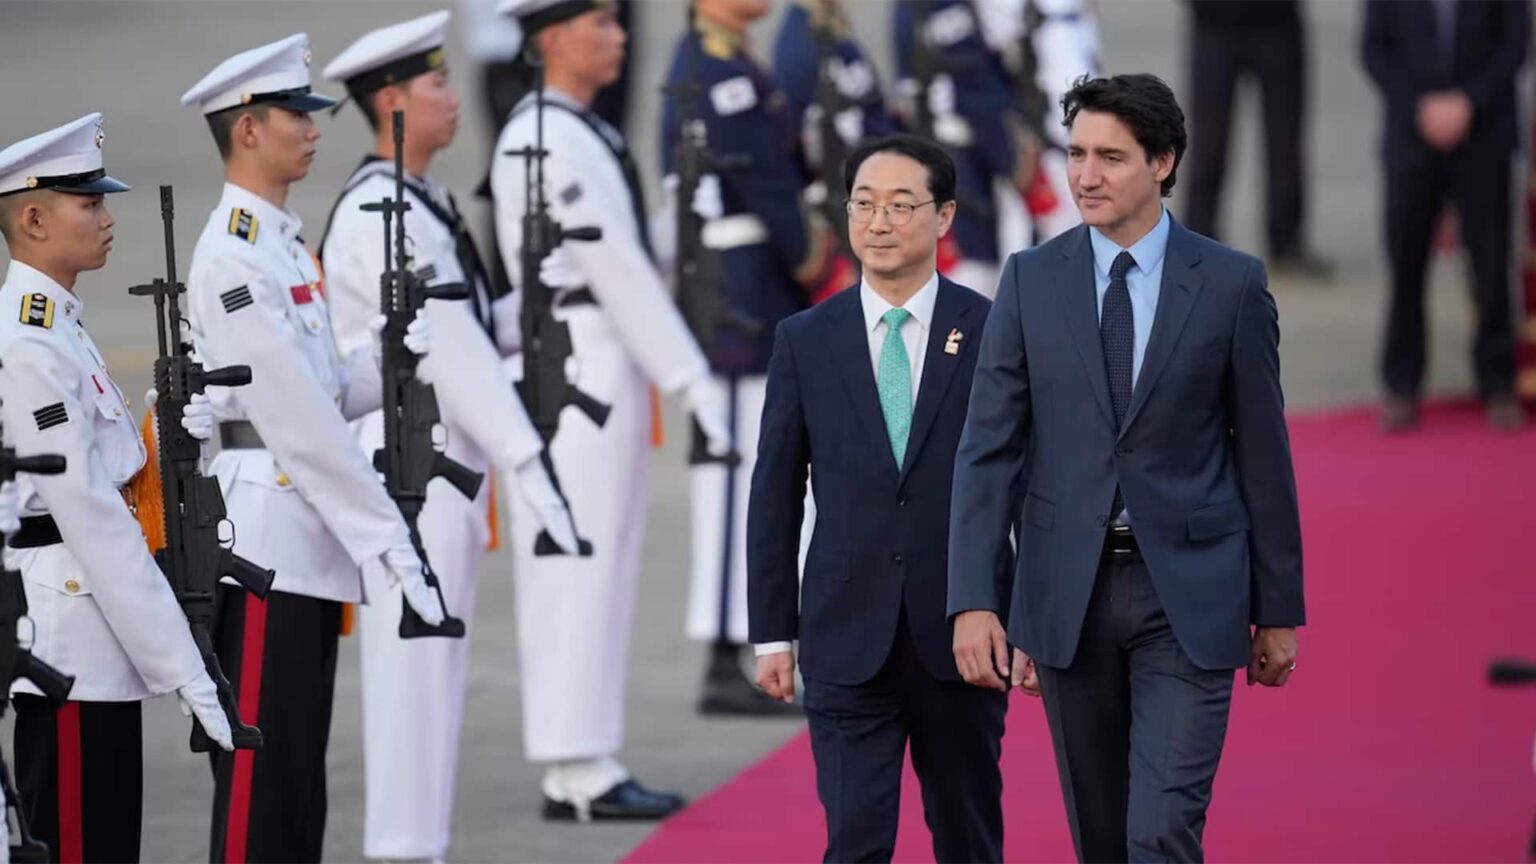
pixel 1203 459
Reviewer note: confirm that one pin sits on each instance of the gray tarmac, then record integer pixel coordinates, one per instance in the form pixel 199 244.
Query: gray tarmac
pixel 132 59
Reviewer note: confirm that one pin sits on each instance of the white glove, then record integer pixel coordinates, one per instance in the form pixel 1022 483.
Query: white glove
pixel 418 335
pixel 200 699
pixel 538 492
pixel 403 567
pixel 10 508
pixel 707 404
pixel 708 201
pixel 559 270
pixel 196 417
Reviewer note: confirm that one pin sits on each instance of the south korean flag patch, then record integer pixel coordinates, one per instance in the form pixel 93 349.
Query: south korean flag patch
pixel 733 96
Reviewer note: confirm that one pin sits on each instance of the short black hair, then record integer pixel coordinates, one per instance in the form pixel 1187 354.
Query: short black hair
pixel 1144 103
pixel 941 168
pixel 368 104
pixel 222 124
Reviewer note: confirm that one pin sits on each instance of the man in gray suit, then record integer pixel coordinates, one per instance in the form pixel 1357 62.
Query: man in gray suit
pixel 1127 393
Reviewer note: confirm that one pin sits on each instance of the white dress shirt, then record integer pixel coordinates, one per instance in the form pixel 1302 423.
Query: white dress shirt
pixel 914 334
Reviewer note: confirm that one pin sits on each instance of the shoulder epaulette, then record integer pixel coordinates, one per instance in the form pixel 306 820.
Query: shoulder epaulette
pixel 242 224
pixel 37 310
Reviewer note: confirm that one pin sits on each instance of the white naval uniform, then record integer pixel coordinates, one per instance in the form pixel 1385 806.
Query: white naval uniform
pixel 101 608
pixel 310 506
pixel 413 691
pixel 575 614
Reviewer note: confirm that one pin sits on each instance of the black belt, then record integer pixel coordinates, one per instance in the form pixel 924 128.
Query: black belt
pixel 240 435
pixel 1120 543
pixel 578 297
pixel 36 532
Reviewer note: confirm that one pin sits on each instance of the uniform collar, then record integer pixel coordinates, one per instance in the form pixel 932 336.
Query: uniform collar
pixel 823 14
pixel 919 305
pixel 719 40
pixel 272 218
pixel 29 280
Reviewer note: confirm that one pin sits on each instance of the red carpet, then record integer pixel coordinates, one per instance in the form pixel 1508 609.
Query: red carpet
pixel 1386 746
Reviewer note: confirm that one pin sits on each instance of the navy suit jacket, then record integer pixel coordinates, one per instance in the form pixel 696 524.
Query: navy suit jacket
pixel 879 547
pixel 1203 459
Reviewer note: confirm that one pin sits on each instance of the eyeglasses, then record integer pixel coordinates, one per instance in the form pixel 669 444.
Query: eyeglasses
pixel 896 214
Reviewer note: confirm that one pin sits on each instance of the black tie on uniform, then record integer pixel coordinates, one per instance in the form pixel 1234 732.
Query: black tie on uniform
pixel 1117 333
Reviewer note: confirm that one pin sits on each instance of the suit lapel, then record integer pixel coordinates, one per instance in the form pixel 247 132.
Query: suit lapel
pixel 1180 288
pixel 850 346
pixel 1081 304
pixel 938 366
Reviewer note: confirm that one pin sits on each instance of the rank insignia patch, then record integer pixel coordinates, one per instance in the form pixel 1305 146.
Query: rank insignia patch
pixel 37 310
pixel 243 224
pixel 50 416
pixel 236 299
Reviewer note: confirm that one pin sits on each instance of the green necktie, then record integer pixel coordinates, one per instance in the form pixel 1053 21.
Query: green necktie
pixel 894 382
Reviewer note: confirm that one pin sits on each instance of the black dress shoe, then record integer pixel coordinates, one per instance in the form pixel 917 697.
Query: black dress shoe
pixel 1504 413
pixel 1399 414
pixel 734 696
pixel 628 801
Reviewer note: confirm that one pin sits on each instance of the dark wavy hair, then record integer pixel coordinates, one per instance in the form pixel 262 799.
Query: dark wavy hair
pixel 1144 103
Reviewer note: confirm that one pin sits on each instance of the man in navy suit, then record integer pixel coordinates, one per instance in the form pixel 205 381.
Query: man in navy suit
pixel 868 391
pixel 1128 388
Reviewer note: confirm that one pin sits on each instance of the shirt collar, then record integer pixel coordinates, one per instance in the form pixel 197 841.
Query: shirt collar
pixel 269 216
pixel 1148 251
pixel 29 280
pixel 920 305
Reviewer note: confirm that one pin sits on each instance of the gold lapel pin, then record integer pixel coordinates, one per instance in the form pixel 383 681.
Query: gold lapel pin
pixel 952 343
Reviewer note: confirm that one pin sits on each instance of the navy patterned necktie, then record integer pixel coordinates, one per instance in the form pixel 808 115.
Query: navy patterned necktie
pixel 1117 333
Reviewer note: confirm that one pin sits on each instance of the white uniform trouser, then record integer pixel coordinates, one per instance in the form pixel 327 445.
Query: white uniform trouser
pixel 719 516
pixel 575 615
pixel 413 689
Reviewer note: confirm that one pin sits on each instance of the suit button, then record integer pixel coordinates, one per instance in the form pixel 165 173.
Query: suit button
pixel 282 480
pixel 71 586
pixel 896 558
pixel 1102 520
pixel 901 502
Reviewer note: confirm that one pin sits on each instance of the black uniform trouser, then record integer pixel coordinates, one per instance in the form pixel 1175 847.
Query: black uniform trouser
pixel 80 776
pixel 1276 57
pixel 280 655
pixel 1476 179
pixel 1137 727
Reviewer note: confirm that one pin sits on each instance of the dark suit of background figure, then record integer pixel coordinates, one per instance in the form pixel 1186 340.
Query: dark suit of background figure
pixel 1411 48
pixel 1134 653
pixel 874 640
pixel 1264 40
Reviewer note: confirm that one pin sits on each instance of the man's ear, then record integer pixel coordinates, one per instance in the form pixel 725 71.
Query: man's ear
pixel 32 219
pixel 244 133
pixel 946 216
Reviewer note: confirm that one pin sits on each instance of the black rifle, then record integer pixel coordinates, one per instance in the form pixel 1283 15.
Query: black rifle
pixel 546 388
pixel 1029 100
pixel 410 457
pixel 17 662
pixel 195 557
pixel 830 102
pixel 700 281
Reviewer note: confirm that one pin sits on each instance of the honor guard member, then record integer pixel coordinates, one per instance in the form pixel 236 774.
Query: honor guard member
pixel 956 92
pixel 775 255
pixel 413 691
pixel 101 609
pixel 304 500
pixel 1045 45
pixel 798 64
pixel 575 614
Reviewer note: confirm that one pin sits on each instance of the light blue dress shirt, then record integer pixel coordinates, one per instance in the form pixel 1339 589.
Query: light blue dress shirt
pixel 1145 280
